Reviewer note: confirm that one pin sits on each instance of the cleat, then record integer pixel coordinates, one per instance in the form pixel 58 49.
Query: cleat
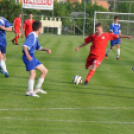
pixel 118 59
pixel 40 91
pixel 86 83
pixel 16 44
pixel 106 56
pixel 6 74
pixel 31 93
pixel 12 41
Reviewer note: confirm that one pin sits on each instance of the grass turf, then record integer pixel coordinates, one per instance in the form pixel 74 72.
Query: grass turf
pixel 105 106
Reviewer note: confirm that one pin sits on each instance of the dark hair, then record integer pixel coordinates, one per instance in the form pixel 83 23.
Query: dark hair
pixel 19 13
pixel 98 25
pixel 116 17
pixel 36 25
pixel 30 13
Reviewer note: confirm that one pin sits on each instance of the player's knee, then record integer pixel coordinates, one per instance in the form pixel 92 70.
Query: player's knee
pixel 87 67
pixel 44 71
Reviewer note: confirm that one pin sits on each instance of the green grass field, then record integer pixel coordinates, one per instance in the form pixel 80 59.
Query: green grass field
pixel 105 106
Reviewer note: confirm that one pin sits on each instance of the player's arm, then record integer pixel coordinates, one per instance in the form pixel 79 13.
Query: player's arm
pixel 42 49
pixel 47 50
pixel 82 45
pixel 25 48
pixel 14 25
pixel 9 29
pixel 7 26
pixel 87 41
pixel 124 36
pixel 111 28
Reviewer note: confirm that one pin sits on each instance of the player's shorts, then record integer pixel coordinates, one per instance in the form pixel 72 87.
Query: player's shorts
pixel 114 42
pixel 93 59
pixel 31 65
pixel 17 31
pixel 3 49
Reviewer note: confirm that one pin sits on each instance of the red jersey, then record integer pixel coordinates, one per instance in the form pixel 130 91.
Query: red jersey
pixel 17 23
pixel 99 43
pixel 28 26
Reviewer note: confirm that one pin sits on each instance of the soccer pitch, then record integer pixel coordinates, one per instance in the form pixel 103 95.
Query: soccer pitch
pixel 105 106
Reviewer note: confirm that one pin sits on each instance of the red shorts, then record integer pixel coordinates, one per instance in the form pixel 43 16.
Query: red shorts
pixel 93 59
pixel 17 31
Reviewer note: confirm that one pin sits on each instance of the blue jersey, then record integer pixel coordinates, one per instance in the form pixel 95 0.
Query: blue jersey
pixel 32 43
pixel 115 28
pixel 3 22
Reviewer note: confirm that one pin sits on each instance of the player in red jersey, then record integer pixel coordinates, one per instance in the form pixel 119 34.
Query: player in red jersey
pixel 97 50
pixel 17 27
pixel 27 27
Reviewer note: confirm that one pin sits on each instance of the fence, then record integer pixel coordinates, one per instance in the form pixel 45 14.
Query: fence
pixel 81 23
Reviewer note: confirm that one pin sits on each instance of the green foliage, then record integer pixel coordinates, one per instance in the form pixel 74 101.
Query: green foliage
pixel 9 9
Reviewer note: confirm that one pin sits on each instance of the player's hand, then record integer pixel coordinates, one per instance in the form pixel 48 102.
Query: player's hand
pixel 77 49
pixel 130 37
pixel 21 35
pixel 49 51
pixel 29 58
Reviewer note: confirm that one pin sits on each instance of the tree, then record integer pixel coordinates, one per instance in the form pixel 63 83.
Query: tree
pixel 9 9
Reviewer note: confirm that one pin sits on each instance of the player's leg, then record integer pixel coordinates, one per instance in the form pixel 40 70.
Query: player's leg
pixel 92 64
pixel 17 36
pixel 31 79
pixel 90 74
pixel 2 60
pixel 118 52
pixel 41 78
pixel 15 40
pixel 31 67
pixel 1 71
pixel 110 49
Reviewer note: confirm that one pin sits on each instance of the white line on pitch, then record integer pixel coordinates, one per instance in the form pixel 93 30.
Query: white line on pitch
pixel 77 121
pixel 99 108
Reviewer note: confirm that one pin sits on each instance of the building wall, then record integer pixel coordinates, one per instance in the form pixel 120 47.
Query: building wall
pixel 104 4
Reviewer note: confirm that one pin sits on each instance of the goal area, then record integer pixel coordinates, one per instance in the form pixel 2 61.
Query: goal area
pixel 126 20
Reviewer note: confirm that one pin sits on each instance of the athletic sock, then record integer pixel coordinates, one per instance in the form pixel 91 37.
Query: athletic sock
pixel 108 51
pixel 30 85
pixel 90 75
pixel 118 53
pixel 16 39
pixel 39 83
pixel 3 66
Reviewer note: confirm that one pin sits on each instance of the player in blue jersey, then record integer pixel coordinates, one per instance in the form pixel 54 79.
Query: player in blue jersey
pixel 116 29
pixel 30 45
pixel 4 26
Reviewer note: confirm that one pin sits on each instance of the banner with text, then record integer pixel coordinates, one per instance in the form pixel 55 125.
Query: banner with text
pixel 38 4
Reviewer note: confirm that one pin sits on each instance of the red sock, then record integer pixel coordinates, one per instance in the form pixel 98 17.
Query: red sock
pixel 16 40
pixel 90 74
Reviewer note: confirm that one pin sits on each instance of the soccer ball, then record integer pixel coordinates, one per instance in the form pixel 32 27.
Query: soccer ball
pixel 133 68
pixel 77 79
